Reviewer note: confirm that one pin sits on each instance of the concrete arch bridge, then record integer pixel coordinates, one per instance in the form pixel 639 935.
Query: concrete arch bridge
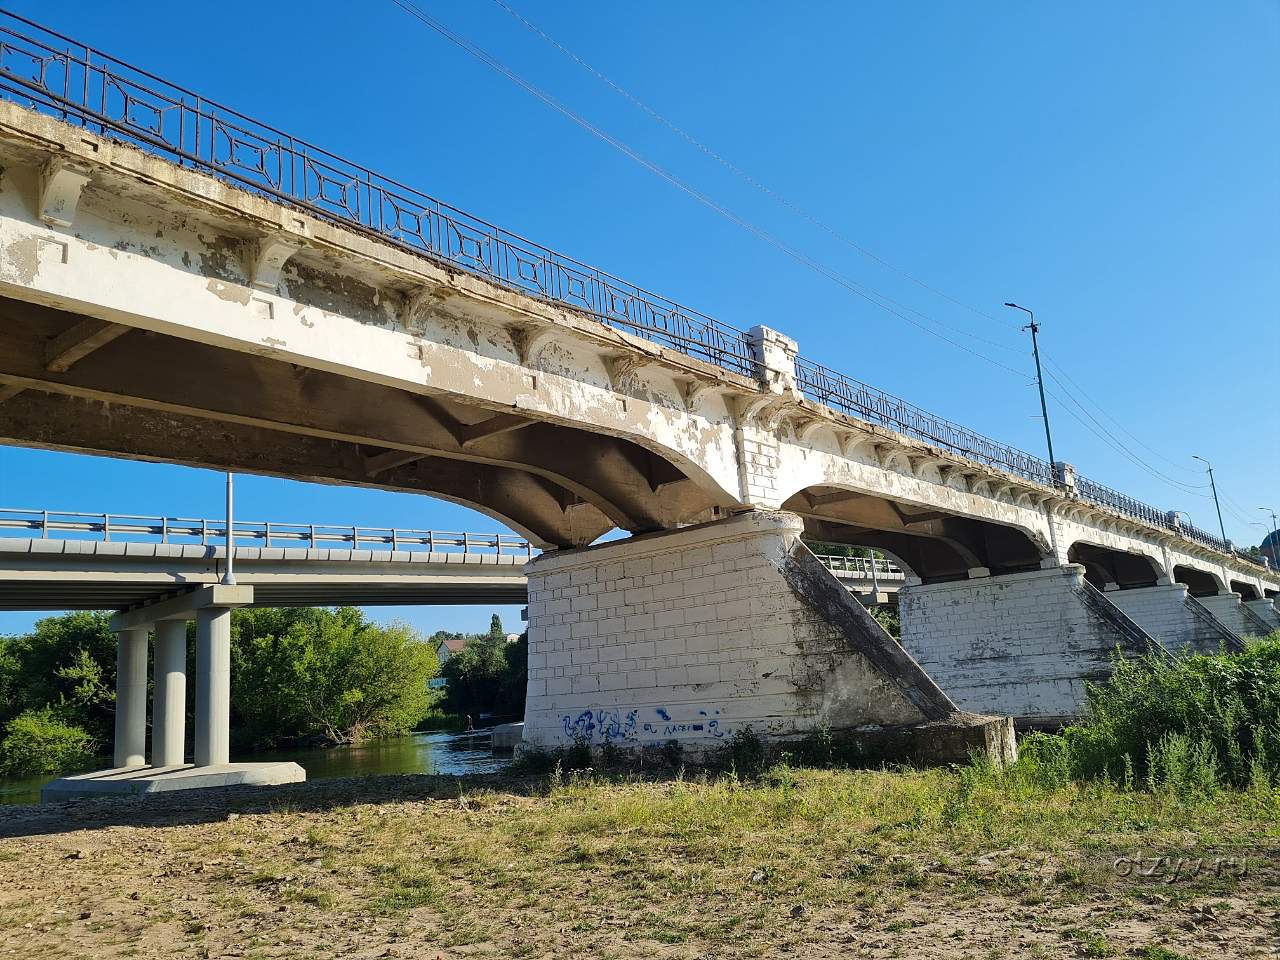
pixel 180 282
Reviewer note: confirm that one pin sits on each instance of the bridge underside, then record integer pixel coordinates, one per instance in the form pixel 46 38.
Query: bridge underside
pixel 72 383
pixel 935 545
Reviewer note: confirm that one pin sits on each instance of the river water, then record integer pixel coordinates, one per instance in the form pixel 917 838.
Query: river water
pixel 436 752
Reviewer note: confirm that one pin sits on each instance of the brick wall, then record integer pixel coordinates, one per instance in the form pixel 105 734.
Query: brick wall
pixel 691 635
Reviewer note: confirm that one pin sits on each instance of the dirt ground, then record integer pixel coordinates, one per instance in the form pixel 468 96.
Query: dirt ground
pixel 430 867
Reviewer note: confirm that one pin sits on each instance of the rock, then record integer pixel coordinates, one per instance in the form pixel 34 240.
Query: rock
pixel 797 911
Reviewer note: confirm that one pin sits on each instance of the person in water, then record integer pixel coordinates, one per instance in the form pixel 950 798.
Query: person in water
pixel 471 727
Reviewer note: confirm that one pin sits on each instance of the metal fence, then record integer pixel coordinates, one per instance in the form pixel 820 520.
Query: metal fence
pixel 107 527
pixel 56 75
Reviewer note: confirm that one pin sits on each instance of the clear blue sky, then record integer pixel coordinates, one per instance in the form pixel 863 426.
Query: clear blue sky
pixel 1114 166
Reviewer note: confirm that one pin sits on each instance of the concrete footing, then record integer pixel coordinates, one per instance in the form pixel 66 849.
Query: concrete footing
pixel 134 781
pixel 507 736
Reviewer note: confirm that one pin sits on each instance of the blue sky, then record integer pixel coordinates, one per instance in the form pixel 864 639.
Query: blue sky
pixel 1114 166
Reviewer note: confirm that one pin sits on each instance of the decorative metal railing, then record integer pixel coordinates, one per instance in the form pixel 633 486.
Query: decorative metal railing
pixel 53 74
pixel 855 398
pixel 862 567
pixel 76 83
pixel 108 527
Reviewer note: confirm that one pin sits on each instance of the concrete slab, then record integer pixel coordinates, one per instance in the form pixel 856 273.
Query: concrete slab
pixel 136 781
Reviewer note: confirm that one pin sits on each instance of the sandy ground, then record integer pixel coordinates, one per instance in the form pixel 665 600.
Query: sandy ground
pixel 299 872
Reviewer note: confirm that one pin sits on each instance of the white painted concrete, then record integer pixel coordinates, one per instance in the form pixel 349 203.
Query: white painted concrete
pixel 1022 644
pixel 131 698
pixel 1171 615
pixel 690 636
pixel 213 686
pixel 1265 610
pixel 169 691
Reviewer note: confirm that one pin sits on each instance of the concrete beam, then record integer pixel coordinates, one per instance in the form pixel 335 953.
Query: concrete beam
pixel 61 183
pixel 73 345
pixel 184 606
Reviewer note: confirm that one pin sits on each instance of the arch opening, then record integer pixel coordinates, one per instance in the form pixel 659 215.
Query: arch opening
pixel 935 545
pixel 1106 568
pixel 1199 582
pixel 1247 591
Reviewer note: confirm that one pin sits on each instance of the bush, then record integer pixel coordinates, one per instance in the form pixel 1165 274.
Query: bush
pixel 1185 726
pixel 38 742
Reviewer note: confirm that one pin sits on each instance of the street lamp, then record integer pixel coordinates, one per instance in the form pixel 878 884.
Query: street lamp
pixel 1214 487
pixel 1044 407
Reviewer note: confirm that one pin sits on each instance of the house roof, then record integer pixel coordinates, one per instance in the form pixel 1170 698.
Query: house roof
pixel 452 644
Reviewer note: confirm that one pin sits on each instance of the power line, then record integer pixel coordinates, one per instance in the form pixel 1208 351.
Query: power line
pixel 866 293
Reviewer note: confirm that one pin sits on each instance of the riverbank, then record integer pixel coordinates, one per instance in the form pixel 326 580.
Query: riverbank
pixel 813 863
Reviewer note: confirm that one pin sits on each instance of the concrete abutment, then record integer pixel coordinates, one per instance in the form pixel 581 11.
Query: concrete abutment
pixel 1182 623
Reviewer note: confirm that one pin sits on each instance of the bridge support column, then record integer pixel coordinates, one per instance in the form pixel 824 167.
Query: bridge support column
pixel 1265 610
pixel 213 686
pixel 1234 615
pixel 131 697
pixel 1022 644
pixel 1178 620
pixel 169 685
pixel 694 634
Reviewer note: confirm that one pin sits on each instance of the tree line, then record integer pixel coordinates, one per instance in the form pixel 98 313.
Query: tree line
pixel 313 676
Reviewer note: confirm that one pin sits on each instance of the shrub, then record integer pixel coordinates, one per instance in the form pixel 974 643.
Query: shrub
pixel 1185 726
pixel 38 742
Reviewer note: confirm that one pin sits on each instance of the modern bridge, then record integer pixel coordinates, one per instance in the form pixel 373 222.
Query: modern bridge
pixel 180 282
pixel 60 560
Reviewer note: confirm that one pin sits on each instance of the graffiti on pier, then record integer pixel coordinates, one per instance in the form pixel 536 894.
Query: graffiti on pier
pixel 609 726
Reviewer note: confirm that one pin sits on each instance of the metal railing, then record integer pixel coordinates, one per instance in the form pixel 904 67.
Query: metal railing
pixel 862 567
pixel 855 398
pixel 53 74
pixel 108 527
pixel 56 75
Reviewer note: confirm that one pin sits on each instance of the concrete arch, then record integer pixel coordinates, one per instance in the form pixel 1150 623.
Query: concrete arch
pixel 936 545
pixel 1201 583
pixel 1246 590
pixel 1106 567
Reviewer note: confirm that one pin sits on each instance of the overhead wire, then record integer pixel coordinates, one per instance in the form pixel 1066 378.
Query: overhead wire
pixel 872 296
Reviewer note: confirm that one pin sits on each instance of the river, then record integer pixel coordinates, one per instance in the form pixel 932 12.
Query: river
pixel 435 752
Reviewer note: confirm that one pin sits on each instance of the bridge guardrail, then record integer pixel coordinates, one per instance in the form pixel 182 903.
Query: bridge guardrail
pixel 106 527
pixel 862 567
pixel 56 75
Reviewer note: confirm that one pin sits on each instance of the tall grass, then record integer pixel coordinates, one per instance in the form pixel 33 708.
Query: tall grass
pixel 1190 725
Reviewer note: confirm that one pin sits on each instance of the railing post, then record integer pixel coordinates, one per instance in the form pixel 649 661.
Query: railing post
pixel 204 533
pixel 355 538
pixel 395 539
pixel 312 539
pixel 106 527
pixel 164 529
pixel 775 355
pixel 268 533
pixel 44 524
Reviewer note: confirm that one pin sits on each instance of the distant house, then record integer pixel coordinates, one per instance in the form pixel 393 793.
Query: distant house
pixel 448 647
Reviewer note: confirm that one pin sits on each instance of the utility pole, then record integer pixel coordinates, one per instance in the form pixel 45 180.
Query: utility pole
pixel 1214 487
pixel 1044 407
pixel 229 575
pixel 1275 538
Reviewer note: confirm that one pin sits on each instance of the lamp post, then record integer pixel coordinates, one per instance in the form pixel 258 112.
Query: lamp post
pixel 1214 487
pixel 1044 407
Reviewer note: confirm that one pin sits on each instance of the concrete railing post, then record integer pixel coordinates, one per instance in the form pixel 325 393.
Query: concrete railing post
pixel 213 686
pixel 1065 474
pixel 131 698
pixel 776 354
pixel 169 709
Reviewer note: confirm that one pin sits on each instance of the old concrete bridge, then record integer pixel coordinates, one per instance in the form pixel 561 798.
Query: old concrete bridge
pixel 179 282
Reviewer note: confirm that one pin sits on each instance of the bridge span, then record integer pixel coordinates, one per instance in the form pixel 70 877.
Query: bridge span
pixel 181 282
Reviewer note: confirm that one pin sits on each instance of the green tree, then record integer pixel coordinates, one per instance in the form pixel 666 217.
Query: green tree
pixel 325 674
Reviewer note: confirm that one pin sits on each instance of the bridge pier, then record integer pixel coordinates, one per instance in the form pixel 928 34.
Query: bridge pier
pixel 211 608
pixel 1265 610
pixel 1021 644
pixel 131 697
pixel 1182 623
pixel 695 634
pixel 1235 616
pixel 169 683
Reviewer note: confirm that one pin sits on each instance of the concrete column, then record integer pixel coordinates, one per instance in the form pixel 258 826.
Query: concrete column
pixel 169 711
pixel 1266 611
pixel 213 685
pixel 131 698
